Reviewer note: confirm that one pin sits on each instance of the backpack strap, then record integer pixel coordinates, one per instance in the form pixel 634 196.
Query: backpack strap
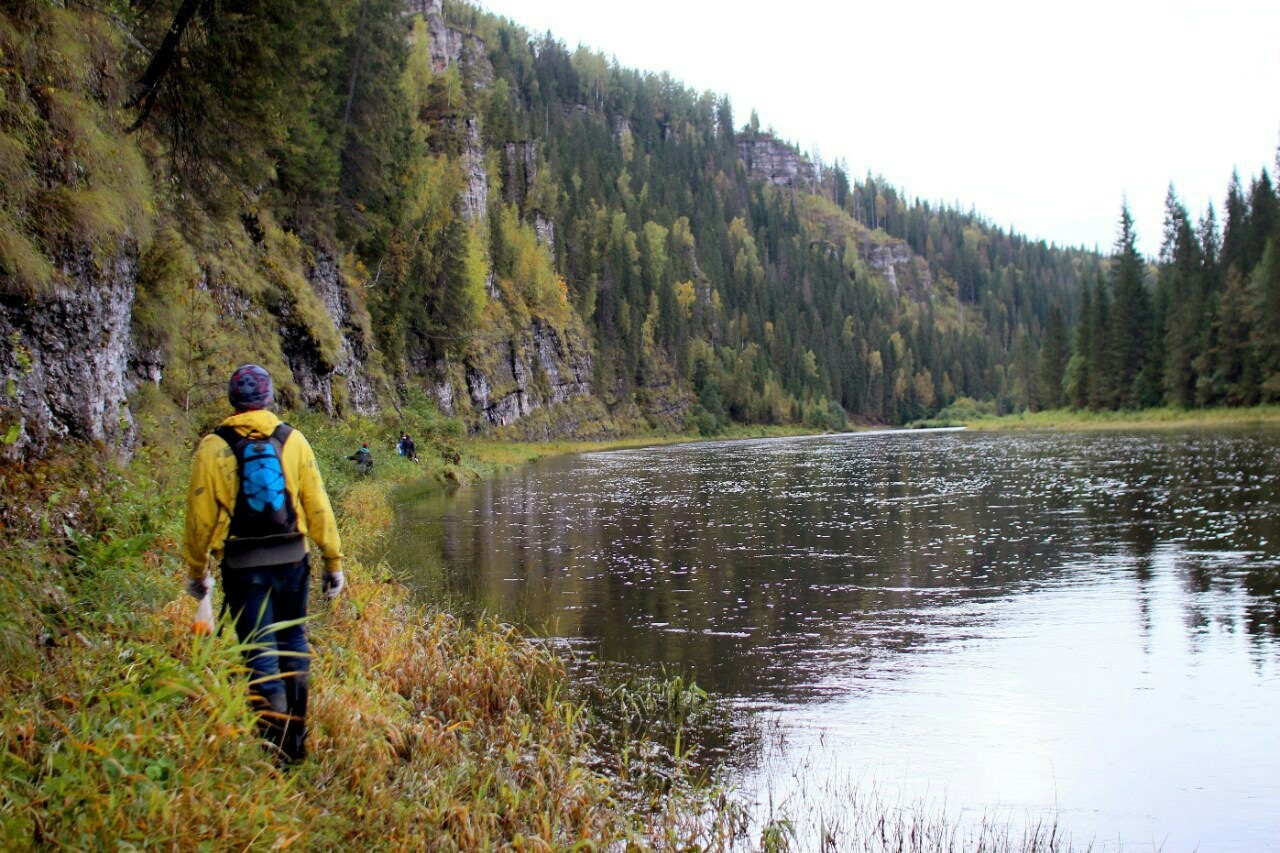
pixel 281 435
pixel 229 435
pixel 233 437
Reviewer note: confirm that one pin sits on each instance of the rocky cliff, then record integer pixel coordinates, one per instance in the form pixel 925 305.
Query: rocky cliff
pixel 527 372
pixel 511 374
pixel 344 386
pixel 893 259
pixel 65 356
pixel 776 162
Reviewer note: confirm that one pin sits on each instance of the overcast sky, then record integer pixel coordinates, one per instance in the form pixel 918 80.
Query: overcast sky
pixel 1042 117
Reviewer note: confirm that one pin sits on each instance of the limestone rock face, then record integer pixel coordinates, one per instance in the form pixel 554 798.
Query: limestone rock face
pixel 65 358
pixel 898 265
pixel 449 45
pixel 776 163
pixel 315 379
pixel 542 369
pixel 475 198
pixel 546 231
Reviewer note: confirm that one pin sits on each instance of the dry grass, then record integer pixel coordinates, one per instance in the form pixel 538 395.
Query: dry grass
pixel 120 728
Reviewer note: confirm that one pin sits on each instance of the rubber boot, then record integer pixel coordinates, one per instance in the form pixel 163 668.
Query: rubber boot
pixel 294 743
pixel 273 712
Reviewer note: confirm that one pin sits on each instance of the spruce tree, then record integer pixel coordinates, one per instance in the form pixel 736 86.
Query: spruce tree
pixel 1235 231
pixel 374 127
pixel 1053 359
pixel 1264 217
pixel 1099 358
pixel 1181 262
pixel 1077 380
pixel 1266 313
pixel 1129 330
pixel 1229 370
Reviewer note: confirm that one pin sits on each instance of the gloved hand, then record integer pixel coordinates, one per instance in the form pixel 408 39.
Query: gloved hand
pixel 198 588
pixel 333 584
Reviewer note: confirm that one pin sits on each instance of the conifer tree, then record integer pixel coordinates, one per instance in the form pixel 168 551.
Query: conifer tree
pixel 1264 217
pixel 1130 322
pixel 374 129
pixel 1266 313
pixel 1099 357
pixel 1181 263
pixel 1228 373
pixel 1235 230
pixel 1049 392
pixel 1077 379
pixel 240 93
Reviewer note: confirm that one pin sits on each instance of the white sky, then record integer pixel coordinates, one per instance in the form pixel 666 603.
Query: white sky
pixel 1042 117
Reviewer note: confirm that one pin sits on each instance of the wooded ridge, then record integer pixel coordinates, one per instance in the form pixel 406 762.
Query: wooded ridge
pixel 377 199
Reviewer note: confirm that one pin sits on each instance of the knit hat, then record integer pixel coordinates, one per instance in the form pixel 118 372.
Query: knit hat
pixel 249 388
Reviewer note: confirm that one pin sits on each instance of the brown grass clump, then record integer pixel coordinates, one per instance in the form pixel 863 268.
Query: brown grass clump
pixel 457 720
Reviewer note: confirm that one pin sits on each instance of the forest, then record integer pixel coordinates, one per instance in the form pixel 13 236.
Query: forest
pixel 479 189
pixel 1197 328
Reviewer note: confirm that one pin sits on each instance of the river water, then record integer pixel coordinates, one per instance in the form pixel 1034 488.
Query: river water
pixel 1079 628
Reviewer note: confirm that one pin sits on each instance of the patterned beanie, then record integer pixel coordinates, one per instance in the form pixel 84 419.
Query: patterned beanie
pixel 249 388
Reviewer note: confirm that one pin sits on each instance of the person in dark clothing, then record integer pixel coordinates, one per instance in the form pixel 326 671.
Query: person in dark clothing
pixel 255 497
pixel 363 459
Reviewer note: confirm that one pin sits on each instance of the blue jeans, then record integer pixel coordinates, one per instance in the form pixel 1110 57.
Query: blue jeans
pixel 258 598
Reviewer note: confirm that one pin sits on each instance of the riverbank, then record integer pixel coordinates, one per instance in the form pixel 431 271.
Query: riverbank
pixel 1069 419
pixel 117 726
pixel 489 455
pixel 121 728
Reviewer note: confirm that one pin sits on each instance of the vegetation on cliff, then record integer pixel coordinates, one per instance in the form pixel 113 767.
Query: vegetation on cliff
pixel 367 201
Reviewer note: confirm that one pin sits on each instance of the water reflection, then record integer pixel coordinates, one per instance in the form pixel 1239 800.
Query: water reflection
pixel 833 578
pixel 720 556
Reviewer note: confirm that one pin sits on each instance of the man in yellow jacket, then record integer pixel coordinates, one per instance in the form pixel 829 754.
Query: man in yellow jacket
pixel 255 527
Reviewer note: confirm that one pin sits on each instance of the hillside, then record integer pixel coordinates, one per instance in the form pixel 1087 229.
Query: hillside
pixel 378 199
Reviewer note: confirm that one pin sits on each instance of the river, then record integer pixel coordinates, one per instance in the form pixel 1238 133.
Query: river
pixel 1018 629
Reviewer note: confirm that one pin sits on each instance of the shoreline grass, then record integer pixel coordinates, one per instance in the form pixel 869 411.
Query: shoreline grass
pixel 118 727
pixel 1070 419
pixel 493 455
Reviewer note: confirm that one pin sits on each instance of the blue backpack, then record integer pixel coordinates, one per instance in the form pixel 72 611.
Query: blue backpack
pixel 264 525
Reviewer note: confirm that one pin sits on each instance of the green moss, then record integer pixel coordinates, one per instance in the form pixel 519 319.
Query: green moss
pixel 71 178
pixel 284 265
pixel 24 267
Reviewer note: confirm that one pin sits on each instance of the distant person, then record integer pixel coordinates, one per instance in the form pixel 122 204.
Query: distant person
pixel 255 497
pixel 400 445
pixel 363 459
pixel 409 449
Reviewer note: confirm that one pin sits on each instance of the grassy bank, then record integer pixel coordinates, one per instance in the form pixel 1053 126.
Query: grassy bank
pixel 121 729
pixel 1163 418
pixel 495 455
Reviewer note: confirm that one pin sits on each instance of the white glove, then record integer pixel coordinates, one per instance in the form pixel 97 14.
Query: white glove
pixel 198 588
pixel 333 584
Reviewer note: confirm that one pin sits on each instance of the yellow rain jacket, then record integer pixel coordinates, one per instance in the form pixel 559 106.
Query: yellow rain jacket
pixel 215 481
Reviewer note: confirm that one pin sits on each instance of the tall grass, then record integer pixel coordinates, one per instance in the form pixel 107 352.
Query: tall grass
pixel 119 728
